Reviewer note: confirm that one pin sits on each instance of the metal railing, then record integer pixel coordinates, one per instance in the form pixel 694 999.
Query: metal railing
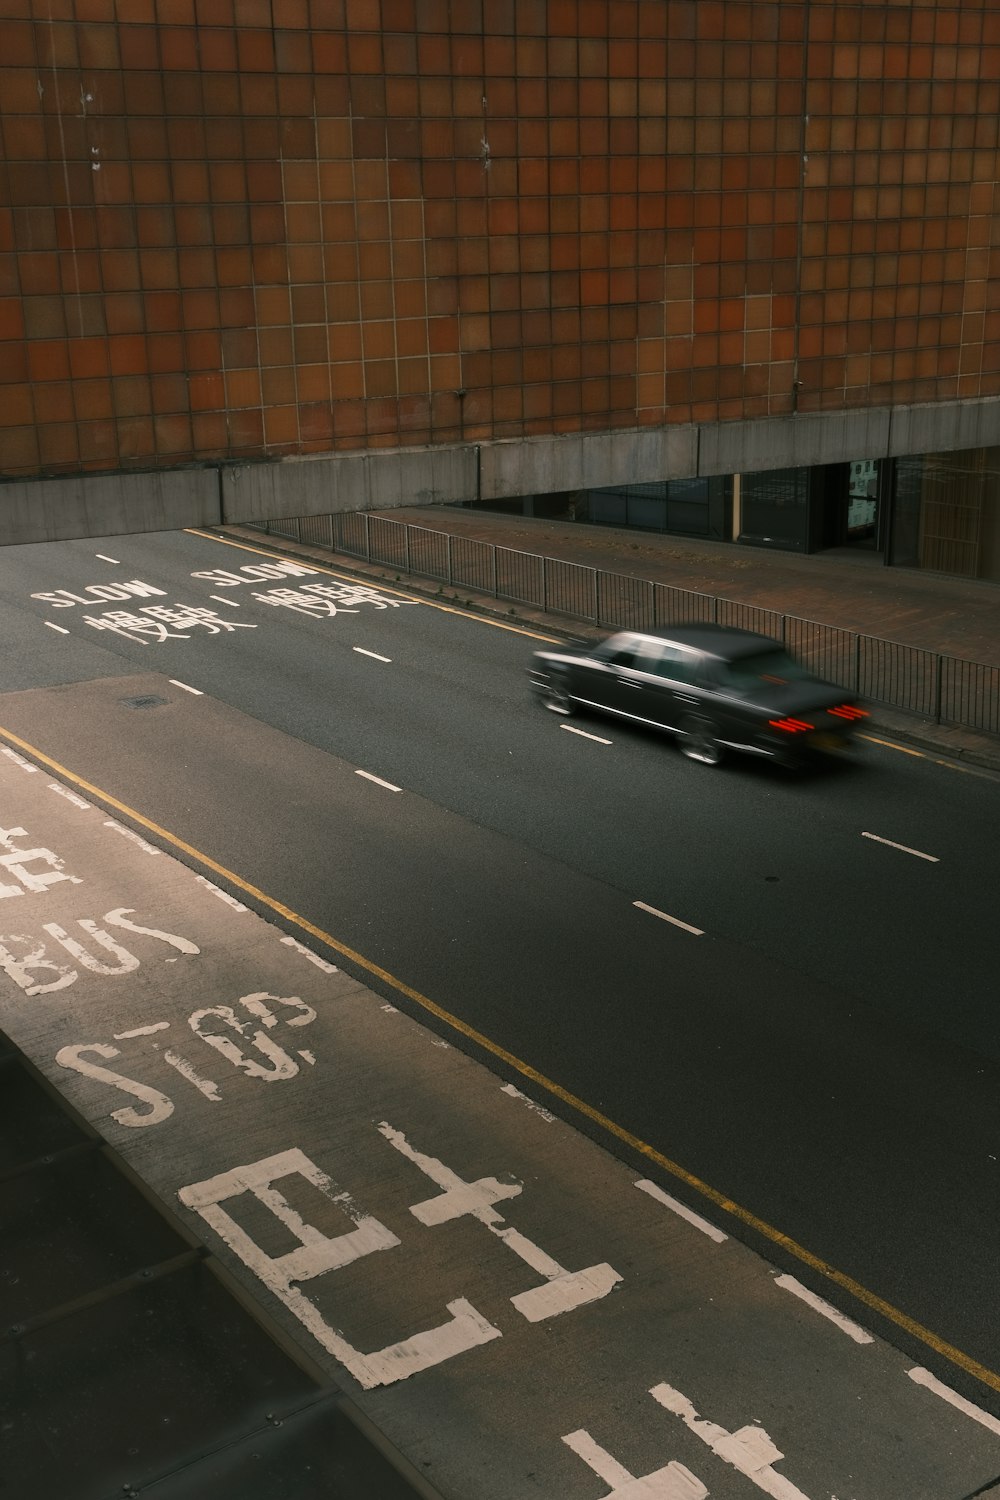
pixel 947 689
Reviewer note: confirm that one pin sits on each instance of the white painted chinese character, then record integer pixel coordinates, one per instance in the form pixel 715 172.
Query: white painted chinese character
pixel 302 603
pixel 317 1253
pixel 354 593
pixel 561 1291
pixel 186 616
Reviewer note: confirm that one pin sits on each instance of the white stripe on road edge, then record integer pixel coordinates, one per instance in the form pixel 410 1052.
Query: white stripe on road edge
pixel 313 958
pixel 664 917
pixel 130 833
pixel 924 1377
pixel 682 1209
pixel 56 627
pixel 222 895
pixel 853 1330
pixel 107 559
pixel 18 760
pixel 197 691
pixel 219 599
pixel 904 848
pixel 64 791
pixel 583 734
pixel 508 1088
pixel 362 652
pixel 378 781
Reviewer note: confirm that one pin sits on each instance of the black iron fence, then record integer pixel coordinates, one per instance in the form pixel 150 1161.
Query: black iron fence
pixel 947 689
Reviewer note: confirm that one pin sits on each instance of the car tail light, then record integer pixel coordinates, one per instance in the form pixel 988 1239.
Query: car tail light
pixel 848 711
pixel 791 726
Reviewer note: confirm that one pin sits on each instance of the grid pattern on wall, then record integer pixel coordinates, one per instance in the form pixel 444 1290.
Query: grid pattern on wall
pixel 266 227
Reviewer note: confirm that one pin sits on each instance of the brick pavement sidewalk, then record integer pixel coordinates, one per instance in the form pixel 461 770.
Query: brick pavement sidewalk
pixel 956 617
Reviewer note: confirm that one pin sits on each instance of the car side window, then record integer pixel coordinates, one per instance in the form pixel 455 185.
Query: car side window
pixel 677 665
pixel 647 655
pixel 617 650
pixel 625 656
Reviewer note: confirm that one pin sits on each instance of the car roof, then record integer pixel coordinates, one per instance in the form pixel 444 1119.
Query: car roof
pixel 725 641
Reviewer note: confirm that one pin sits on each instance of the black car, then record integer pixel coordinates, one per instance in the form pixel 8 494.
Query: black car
pixel 715 688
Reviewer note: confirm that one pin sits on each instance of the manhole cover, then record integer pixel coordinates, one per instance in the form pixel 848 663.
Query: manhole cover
pixel 147 700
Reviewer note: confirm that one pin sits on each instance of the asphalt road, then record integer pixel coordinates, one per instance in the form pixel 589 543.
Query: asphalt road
pixel 823 1051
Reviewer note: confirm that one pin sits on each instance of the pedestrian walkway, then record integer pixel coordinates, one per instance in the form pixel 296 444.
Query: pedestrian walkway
pixel 848 589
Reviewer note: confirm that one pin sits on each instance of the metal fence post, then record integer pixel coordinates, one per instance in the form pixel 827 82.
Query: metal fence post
pixel 449 559
pixel 406 548
pixel 938 674
pixel 545 585
pixel 595 614
pixel 857 664
pixel 493 567
pixel 368 537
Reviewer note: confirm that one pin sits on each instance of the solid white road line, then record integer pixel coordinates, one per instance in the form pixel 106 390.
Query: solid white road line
pixel 56 627
pixel 378 781
pixel 220 599
pixel 903 848
pixel 924 1377
pixel 197 691
pixel 362 652
pixel 846 1325
pixel 682 1210
pixel 583 734
pixel 664 917
pixel 108 559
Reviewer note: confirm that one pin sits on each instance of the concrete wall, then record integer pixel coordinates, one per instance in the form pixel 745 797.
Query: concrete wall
pixel 112 505
pixel 377 480
pixel 94 505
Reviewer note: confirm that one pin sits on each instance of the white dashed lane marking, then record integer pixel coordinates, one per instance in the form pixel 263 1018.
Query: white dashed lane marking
pixel 925 1378
pixel 682 1210
pixel 572 729
pixel 56 627
pixel 674 921
pixel 197 691
pixel 903 848
pixel 362 652
pixel 846 1325
pixel 108 559
pixel 378 781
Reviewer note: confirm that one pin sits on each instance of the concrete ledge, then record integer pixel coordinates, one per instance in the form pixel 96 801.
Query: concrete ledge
pixel 943 427
pixel 93 505
pixel 793 442
pixel 376 480
pixel 585 460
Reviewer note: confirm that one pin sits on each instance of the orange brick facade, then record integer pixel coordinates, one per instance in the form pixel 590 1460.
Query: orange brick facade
pixel 253 228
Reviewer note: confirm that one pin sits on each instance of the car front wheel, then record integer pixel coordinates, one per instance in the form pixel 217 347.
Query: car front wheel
pixel 698 742
pixel 557 699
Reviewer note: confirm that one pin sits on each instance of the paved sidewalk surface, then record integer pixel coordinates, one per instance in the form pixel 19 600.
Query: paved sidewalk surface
pixel 848 588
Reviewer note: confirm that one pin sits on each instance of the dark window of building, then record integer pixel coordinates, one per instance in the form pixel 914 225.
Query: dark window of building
pixel 775 509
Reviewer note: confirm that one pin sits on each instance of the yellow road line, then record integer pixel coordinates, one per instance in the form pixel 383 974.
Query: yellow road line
pixel 934 760
pixel 846 1283
pixel 448 609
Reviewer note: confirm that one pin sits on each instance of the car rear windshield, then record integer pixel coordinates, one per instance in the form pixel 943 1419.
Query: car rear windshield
pixel 774 667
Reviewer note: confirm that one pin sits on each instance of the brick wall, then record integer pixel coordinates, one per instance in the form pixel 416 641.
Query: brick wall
pixel 269 227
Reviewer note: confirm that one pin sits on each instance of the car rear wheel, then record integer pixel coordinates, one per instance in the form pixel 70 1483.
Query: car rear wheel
pixel 698 742
pixel 557 698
